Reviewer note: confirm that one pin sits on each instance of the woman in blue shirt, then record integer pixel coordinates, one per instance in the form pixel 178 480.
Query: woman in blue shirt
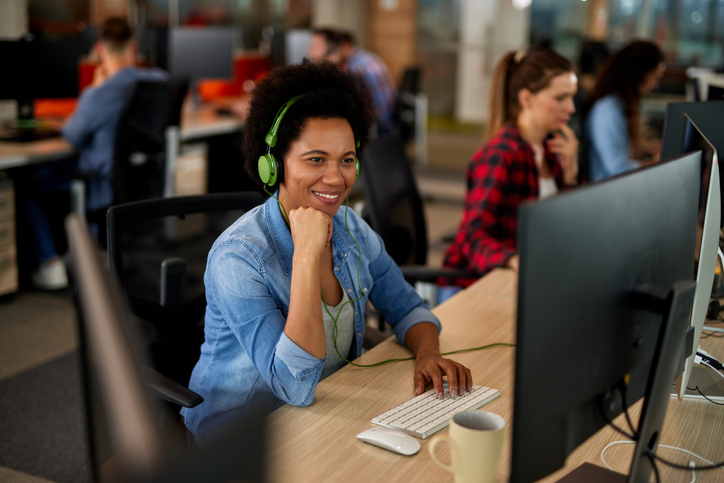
pixel 612 126
pixel 287 283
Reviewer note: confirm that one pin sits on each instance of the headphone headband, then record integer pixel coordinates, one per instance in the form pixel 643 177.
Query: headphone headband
pixel 271 137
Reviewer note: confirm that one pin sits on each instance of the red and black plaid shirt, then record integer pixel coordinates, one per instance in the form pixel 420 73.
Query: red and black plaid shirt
pixel 501 175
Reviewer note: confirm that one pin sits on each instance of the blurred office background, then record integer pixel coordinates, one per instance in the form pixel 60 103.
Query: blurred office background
pixel 455 43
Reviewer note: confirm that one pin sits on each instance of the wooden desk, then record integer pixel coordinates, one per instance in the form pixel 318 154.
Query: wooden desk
pixel 196 124
pixel 318 443
pixel 205 122
pixel 13 155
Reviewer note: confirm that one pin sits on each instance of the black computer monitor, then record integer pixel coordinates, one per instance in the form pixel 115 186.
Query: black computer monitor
pixel 40 69
pixel 715 93
pixel 591 263
pixel 127 441
pixel 708 118
pixel 198 53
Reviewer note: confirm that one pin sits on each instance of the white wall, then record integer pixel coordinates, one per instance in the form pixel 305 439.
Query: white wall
pixel 488 29
pixel 13 25
pixel 348 15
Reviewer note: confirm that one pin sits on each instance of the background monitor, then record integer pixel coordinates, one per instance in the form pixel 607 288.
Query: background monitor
pixel 40 69
pixel 707 244
pixel 296 45
pixel 708 118
pixel 201 52
pixel 128 443
pixel 580 333
pixel 715 93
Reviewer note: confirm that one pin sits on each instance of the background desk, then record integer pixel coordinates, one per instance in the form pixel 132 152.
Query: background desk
pixel 318 443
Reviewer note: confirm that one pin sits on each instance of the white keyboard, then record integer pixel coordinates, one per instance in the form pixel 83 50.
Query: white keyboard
pixel 425 414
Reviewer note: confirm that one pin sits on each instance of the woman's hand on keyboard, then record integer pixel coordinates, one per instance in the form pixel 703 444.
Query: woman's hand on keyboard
pixel 430 368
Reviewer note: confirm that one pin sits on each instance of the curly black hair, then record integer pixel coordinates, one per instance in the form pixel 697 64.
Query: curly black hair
pixel 329 93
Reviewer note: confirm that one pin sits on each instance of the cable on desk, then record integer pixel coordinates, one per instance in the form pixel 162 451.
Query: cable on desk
pixel 692 467
pixel 704 395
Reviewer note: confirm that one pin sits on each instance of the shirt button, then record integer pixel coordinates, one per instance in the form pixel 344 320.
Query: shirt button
pixel 356 312
pixel 364 290
pixel 359 334
pixel 336 269
pixel 349 290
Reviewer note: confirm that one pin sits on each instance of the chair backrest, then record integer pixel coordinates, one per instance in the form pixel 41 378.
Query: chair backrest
pixel 127 441
pixel 157 251
pixel 140 143
pixel 404 111
pixel 393 200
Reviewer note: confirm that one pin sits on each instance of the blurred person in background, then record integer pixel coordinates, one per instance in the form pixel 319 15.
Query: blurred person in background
pixel 613 124
pixel 91 130
pixel 367 68
pixel 530 153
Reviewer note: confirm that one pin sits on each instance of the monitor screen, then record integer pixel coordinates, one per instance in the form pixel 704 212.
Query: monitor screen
pixel 201 52
pixel 40 69
pixel 707 116
pixel 715 93
pixel 582 256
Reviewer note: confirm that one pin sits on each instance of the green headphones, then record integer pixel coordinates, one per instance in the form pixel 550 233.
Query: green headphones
pixel 268 166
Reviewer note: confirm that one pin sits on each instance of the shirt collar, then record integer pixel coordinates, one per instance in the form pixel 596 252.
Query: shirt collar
pixel 282 237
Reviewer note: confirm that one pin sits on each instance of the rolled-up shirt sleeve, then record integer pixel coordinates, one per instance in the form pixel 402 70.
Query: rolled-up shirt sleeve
pixel 256 321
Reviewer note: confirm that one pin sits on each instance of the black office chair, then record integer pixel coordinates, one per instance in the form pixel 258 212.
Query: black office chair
pixel 395 210
pixel 127 440
pixel 157 251
pixel 404 110
pixel 146 139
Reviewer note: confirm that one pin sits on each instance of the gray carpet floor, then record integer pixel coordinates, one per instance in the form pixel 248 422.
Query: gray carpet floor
pixel 42 428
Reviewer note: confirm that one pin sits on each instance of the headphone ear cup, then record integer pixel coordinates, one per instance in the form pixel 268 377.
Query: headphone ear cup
pixel 267 168
pixel 356 167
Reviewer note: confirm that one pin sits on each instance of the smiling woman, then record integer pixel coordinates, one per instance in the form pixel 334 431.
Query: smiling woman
pixel 287 283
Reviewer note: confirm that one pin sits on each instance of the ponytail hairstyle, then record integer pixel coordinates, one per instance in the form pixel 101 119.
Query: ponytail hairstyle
pixel 622 74
pixel 533 70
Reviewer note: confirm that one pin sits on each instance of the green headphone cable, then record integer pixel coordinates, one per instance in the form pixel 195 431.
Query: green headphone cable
pixel 335 319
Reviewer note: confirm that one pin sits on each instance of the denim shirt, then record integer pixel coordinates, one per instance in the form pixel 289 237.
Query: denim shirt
pixel 247 362
pixel 609 151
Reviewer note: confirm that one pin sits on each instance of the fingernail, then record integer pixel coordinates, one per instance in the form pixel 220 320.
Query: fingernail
pixel 454 393
pixel 462 390
pixel 470 387
pixel 439 395
pixel 417 391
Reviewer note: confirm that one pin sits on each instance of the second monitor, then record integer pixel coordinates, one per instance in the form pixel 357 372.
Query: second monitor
pixel 587 347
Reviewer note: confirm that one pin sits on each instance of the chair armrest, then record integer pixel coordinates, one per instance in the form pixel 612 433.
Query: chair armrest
pixel 421 273
pixel 170 390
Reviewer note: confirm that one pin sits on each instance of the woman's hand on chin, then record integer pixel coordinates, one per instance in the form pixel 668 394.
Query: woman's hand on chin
pixel 311 230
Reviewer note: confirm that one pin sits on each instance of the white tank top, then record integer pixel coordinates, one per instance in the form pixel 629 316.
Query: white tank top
pixel 546 187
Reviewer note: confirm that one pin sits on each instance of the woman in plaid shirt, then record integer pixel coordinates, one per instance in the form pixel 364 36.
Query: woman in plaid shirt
pixel 530 153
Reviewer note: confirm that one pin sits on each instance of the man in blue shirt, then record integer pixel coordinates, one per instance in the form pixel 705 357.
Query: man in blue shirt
pixel 368 69
pixel 91 130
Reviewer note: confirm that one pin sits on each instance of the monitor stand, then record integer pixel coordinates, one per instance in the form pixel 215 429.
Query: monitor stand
pixel 675 309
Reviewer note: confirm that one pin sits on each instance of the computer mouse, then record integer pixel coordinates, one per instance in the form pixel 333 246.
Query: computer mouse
pixel 391 439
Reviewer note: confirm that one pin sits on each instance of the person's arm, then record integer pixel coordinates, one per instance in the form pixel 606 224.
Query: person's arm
pixel 311 231
pixel 431 366
pixel 84 121
pixel 565 146
pixel 243 296
pixel 488 181
pixel 608 135
pixel 412 321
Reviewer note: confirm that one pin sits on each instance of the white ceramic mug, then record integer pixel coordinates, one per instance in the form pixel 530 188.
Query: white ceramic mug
pixel 476 443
